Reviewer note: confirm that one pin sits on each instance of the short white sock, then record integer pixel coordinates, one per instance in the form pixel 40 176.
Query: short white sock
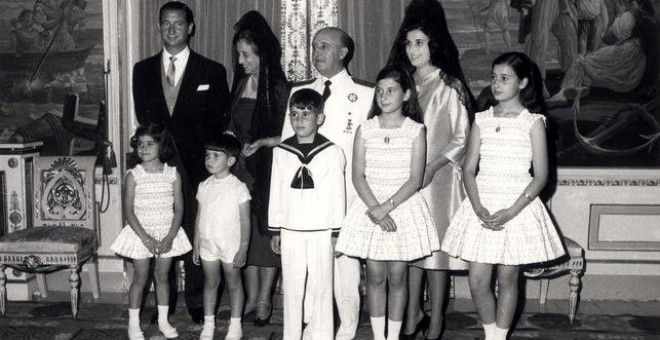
pixel 209 319
pixel 235 322
pixel 162 315
pixel 489 329
pixel 393 329
pixel 378 327
pixel 500 333
pixel 134 318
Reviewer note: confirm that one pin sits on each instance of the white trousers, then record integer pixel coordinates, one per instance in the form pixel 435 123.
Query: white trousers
pixel 347 295
pixel 307 258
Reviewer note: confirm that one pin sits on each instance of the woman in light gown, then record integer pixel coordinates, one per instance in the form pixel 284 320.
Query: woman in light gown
pixel 424 46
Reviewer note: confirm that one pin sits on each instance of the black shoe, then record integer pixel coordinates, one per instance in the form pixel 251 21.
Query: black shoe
pixel 422 326
pixel 197 315
pixel 258 320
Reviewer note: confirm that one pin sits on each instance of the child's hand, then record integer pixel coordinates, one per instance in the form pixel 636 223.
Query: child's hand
pixel 501 217
pixel 195 256
pixel 275 244
pixel 240 258
pixel 151 244
pixel 378 213
pixel 387 224
pixel 165 245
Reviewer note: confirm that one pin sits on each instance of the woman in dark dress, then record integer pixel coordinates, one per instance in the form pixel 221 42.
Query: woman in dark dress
pixel 259 95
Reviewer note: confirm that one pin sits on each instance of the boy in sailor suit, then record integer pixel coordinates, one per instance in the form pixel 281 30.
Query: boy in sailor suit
pixel 347 104
pixel 307 203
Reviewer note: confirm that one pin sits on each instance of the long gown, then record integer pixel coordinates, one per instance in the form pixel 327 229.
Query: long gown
pixel 447 128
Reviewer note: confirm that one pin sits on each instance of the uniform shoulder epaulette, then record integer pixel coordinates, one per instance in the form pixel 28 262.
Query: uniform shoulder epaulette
pixel 303 83
pixel 363 82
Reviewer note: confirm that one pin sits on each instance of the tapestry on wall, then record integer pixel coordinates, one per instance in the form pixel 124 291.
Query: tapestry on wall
pixel 48 49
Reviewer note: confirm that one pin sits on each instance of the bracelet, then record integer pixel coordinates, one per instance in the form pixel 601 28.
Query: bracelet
pixel 391 201
pixel 528 196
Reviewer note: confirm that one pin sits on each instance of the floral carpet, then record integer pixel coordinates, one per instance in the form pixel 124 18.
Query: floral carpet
pixel 52 320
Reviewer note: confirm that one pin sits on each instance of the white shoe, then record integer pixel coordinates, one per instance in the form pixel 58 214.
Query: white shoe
pixel 168 331
pixel 235 332
pixel 208 331
pixel 135 334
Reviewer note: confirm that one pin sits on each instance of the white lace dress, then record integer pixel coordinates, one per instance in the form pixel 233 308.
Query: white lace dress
pixel 154 208
pixel 388 158
pixel 504 172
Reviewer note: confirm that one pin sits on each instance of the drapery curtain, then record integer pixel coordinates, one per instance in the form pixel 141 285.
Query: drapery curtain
pixel 372 24
pixel 214 19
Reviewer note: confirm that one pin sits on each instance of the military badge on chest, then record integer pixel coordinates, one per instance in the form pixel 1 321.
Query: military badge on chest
pixel 352 97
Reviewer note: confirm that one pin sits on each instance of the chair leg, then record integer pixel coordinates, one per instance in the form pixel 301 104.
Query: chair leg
pixel 74 280
pixel 93 271
pixel 543 293
pixel 3 290
pixel 574 284
pixel 43 286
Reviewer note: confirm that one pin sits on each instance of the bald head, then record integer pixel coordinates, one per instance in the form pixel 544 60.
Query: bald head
pixel 332 50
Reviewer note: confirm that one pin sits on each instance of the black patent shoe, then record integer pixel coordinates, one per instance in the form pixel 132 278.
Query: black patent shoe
pixel 422 326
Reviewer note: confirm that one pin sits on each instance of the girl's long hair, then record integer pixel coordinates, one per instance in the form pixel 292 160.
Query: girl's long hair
pixel 531 96
pixel 253 28
pixel 400 75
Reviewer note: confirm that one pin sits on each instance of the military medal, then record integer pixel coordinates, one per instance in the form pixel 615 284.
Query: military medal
pixel 352 97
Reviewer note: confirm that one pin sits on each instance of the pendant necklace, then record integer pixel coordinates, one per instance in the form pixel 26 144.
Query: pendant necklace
pixel 504 114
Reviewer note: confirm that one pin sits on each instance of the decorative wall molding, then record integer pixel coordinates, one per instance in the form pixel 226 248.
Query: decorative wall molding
pixel 609 182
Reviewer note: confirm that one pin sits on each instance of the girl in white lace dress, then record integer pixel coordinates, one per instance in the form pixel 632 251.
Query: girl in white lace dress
pixel 390 224
pixel 503 223
pixel 154 210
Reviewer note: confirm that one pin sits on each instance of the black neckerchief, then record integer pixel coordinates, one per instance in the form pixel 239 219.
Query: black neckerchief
pixel 303 178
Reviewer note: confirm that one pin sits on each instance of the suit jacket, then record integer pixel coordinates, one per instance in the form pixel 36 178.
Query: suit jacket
pixel 201 109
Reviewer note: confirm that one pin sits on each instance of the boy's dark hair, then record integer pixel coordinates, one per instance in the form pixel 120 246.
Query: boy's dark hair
pixel 179 6
pixel 307 99
pixel 226 143
pixel 161 135
pixel 531 96
pixel 399 74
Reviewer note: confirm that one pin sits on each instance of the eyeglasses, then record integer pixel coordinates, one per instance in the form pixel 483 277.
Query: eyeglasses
pixel 304 115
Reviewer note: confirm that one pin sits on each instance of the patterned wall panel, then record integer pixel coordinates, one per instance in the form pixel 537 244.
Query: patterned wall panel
pixel 301 19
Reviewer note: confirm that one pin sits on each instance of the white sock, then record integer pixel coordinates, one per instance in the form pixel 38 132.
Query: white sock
pixel 134 318
pixel 489 329
pixel 500 333
pixel 393 329
pixel 162 316
pixel 378 327
pixel 210 319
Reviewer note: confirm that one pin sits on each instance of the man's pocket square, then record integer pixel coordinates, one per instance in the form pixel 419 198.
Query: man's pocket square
pixel 203 87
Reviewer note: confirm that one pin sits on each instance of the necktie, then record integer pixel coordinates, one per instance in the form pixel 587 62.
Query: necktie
pixel 171 71
pixel 326 90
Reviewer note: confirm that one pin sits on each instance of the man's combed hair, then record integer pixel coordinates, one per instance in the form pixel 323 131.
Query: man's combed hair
pixel 307 99
pixel 179 6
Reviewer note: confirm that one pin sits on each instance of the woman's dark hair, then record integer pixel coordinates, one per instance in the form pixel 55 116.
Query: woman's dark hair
pixel 161 135
pixel 428 16
pixel 400 75
pixel 254 30
pixel 531 96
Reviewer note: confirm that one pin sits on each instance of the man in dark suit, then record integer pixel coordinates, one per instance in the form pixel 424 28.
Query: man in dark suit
pixel 189 94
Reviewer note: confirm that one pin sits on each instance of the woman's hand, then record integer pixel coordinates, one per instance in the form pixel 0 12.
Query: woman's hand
pixel 240 257
pixel 250 148
pixel 387 224
pixel 275 244
pixel 378 213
